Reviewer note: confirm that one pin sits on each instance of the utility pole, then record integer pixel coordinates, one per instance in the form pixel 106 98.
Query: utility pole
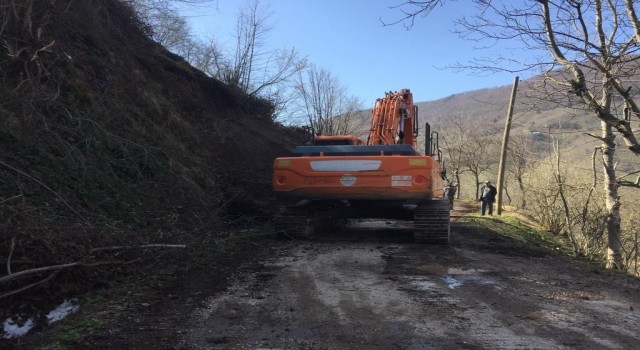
pixel 505 144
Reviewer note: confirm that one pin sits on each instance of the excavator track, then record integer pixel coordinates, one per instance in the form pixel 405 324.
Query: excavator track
pixel 431 222
pixel 303 221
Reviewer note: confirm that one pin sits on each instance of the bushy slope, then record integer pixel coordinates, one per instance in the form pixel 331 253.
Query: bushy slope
pixel 107 138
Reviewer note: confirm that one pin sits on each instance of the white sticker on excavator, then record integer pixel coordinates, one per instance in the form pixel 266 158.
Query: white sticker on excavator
pixel 401 180
pixel 348 180
pixel 345 165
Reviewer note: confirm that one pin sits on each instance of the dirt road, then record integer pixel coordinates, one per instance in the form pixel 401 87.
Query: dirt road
pixel 370 288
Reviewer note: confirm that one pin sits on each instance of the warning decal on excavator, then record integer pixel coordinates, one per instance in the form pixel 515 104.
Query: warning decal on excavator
pixel 418 161
pixel 347 180
pixel 283 163
pixel 401 180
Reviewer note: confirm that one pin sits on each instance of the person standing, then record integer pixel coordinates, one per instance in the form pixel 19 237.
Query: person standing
pixel 450 193
pixel 487 196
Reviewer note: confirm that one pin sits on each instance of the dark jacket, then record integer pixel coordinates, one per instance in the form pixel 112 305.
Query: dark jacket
pixel 488 193
pixel 450 191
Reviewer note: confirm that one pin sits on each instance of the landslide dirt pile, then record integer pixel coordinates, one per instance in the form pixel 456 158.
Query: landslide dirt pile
pixel 107 139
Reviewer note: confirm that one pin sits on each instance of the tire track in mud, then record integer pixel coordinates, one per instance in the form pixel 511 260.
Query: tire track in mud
pixel 372 289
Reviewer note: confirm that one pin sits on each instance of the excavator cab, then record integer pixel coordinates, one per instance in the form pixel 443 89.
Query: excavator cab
pixel 337 140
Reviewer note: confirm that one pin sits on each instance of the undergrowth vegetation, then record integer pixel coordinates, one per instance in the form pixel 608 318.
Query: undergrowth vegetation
pixel 514 227
pixel 576 214
pixel 116 154
pixel 556 181
pixel 575 210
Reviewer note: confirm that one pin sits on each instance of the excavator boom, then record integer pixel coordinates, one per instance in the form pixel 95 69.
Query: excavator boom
pixel 394 120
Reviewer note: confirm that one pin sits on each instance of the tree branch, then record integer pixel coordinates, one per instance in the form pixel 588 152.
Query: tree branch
pixel 146 246
pixel 13 247
pixel 20 274
pixel 46 187
pixel 29 286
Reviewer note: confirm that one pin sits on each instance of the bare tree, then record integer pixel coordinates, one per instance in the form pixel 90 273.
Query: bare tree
pixel 250 65
pixel 521 151
pixel 454 130
pixel 480 154
pixel 173 31
pixel 324 103
pixel 591 51
pixel 254 68
pixel 469 147
pixel 208 56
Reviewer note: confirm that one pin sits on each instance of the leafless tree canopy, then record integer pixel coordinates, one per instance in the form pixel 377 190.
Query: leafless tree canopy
pixel 581 46
pixel 586 50
pixel 469 148
pixel 250 65
pixel 325 104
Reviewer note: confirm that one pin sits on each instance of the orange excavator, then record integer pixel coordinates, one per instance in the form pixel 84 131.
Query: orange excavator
pixel 341 177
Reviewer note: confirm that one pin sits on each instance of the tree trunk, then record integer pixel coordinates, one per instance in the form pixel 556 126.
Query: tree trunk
pixel 614 249
pixel 523 192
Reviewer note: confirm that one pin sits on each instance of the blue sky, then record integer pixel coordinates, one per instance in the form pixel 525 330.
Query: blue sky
pixel 347 38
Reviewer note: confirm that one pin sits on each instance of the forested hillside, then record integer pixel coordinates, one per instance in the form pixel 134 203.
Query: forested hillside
pixel 109 142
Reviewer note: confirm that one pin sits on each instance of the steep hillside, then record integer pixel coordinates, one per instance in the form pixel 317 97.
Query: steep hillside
pixel 560 117
pixel 107 139
pixel 487 104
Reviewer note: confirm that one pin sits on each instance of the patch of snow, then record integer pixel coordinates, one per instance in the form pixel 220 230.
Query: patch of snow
pixel 13 330
pixel 67 307
pixel 452 282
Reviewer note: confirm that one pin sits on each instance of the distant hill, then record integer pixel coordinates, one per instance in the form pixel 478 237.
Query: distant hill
pixel 488 104
pixel 539 118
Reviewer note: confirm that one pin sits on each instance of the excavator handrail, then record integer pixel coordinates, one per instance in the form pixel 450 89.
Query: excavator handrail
pixel 435 146
pixel 415 122
pixel 354 150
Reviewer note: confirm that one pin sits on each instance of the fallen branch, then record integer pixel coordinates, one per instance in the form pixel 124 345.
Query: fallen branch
pixel 13 247
pixel 145 246
pixel 29 286
pixel 51 268
pixel 8 199
pixel 53 274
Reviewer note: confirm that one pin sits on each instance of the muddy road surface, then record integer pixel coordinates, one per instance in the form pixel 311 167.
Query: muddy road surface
pixel 369 287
